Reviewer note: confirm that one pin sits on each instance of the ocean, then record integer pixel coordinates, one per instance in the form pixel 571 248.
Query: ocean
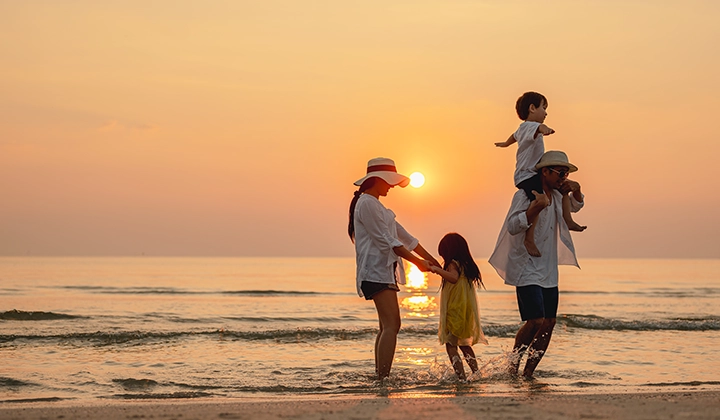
pixel 87 329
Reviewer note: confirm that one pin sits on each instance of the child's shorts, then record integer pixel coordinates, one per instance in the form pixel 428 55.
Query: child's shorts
pixel 531 184
pixel 370 288
pixel 537 302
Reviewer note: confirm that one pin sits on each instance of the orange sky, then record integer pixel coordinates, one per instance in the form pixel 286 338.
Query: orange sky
pixel 237 128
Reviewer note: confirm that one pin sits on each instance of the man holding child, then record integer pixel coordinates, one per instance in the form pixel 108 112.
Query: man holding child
pixel 536 278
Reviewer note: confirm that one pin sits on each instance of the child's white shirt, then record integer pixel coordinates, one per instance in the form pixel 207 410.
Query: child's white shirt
pixel 530 150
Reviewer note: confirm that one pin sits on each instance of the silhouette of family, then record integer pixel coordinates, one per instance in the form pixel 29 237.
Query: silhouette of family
pixel 534 239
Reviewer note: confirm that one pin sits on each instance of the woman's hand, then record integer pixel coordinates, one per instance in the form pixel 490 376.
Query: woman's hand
pixel 424 265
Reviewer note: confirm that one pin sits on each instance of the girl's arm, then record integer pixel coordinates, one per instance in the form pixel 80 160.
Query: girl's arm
pixel 451 274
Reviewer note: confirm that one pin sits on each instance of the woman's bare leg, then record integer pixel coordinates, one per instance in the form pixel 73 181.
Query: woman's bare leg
pixel 377 344
pixel 389 315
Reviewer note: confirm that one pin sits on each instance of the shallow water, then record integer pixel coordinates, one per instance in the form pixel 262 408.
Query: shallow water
pixel 165 328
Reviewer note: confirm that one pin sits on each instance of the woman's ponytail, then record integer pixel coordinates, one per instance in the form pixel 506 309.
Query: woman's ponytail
pixel 356 196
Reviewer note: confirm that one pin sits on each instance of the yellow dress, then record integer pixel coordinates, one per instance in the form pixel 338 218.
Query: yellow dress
pixel 459 314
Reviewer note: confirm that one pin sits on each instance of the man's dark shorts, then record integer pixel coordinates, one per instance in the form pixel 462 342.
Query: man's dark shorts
pixel 531 184
pixel 537 302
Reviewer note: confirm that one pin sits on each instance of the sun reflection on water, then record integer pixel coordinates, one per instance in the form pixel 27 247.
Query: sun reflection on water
pixel 417 355
pixel 419 304
pixel 415 279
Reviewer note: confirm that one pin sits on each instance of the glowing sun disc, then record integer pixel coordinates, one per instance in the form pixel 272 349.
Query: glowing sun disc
pixel 417 179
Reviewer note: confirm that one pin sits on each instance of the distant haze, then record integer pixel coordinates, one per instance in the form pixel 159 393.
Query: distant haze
pixel 237 128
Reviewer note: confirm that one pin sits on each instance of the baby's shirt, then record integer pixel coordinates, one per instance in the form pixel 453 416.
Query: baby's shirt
pixel 530 150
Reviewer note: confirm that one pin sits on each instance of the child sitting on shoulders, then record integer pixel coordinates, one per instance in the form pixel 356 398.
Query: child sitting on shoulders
pixel 531 107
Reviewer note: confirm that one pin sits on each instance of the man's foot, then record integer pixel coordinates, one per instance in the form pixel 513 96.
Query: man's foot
pixel 575 227
pixel 531 248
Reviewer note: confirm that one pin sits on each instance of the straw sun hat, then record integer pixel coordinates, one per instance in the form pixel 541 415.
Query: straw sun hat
pixel 555 158
pixel 384 168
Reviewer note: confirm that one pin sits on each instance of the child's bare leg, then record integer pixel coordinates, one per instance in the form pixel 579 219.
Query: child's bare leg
pixel 455 360
pixel 567 215
pixel 470 357
pixel 530 240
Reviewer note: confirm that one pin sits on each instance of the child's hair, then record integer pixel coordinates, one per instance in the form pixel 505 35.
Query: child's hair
pixel 454 247
pixel 522 106
pixel 351 223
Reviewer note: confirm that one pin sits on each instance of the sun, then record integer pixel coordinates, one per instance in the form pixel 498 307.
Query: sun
pixel 417 179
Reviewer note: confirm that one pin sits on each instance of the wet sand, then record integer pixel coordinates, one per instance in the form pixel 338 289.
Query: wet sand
pixel 674 405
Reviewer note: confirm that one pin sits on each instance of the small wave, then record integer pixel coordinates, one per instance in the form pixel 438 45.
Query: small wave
pixel 689 383
pixel 585 384
pixel 33 400
pixel 594 322
pixel 102 338
pixel 697 292
pixel 575 374
pixel 271 292
pixel 6 382
pixel 491 330
pixel 177 291
pixel 98 338
pixel 303 334
pixel 163 395
pixel 324 319
pixel 135 290
pixel 15 315
pixel 132 384
pixel 284 389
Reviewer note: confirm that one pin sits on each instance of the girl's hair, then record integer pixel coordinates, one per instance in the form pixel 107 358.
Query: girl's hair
pixel 364 187
pixel 454 247
pixel 522 106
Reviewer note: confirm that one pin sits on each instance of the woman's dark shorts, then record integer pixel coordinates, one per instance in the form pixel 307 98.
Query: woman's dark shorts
pixel 537 302
pixel 531 184
pixel 370 289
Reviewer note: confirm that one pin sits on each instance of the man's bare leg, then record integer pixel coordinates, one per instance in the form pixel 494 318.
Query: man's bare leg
pixel 523 339
pixel 539 345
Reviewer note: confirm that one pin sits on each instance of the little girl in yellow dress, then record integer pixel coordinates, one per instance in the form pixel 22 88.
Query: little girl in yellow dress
pixel 459 314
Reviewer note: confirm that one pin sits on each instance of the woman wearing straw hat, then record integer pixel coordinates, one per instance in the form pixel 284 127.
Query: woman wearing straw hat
pixel 380 244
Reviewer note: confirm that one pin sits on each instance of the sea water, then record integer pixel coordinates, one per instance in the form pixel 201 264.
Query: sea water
pixel 177 328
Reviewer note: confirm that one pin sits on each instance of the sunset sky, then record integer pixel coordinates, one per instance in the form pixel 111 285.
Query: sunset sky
pixel 236 128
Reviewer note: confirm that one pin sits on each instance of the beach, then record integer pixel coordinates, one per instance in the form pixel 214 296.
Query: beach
pixel 538 406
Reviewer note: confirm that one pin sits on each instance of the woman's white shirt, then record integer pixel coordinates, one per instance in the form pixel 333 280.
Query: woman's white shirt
pixel 376 234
